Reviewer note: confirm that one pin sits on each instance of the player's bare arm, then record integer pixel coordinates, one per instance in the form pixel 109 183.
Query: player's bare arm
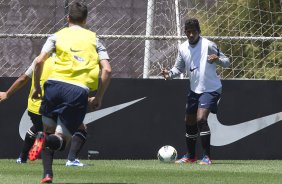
pixel 18 84
pixel 37 93
pixel 106 70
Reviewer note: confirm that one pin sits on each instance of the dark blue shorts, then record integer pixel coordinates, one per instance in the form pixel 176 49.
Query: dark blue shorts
pixel 207 100
pixel 65 101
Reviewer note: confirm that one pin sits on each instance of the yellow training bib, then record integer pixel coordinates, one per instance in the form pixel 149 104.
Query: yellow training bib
pixel 78 61
pixel 34 105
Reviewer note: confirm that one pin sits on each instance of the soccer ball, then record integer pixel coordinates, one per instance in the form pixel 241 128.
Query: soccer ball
pixel 167 154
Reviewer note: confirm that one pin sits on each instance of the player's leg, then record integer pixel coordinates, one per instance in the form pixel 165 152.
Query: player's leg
pixel 47 153
pixel 43 139
pixel 68 103
pixel 207 103
pixel 47 161
pixel 72 116
pixel 41 145
pixel 205 134
pixel 191 128
pixel 51 105
pixel 77 142
pixel 53 142
pixel 28 142
pixel 30 136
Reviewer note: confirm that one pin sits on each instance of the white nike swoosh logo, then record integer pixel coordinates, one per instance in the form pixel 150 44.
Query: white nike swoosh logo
pixel 26 123
pixel 93 116
pixel 222 135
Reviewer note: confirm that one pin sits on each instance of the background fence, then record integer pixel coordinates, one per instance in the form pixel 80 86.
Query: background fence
pixel 140 34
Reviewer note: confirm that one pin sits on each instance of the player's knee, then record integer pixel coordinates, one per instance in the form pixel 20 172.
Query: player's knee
pixel 81 133
pixel 82 127
pixel 190 119
pixel 56 142
pixel 203 125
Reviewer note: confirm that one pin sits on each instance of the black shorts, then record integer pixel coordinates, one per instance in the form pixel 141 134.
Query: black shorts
pixel 65 101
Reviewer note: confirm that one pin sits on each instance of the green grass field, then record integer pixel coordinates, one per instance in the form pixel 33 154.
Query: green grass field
pixel 146 171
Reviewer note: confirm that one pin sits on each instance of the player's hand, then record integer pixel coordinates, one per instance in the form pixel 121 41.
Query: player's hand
pixel 36 94
pixel 3 96
pixel 165 74
pixel 94 103
pixel 212 58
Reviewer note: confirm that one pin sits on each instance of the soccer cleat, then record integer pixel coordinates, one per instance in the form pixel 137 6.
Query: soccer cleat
pixel 37 146
pixel 186 159
pixel 47 179
pixel 20 161
pixel 76 162
pixel 206 161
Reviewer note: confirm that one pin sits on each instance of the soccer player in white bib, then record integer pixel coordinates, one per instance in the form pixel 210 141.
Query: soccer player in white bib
pixel 198 57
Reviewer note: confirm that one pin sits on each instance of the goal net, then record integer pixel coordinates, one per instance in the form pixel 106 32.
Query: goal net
pixel 143 36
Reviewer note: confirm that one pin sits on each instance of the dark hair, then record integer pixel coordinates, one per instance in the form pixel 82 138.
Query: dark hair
pixel 77 12
pixel 192 23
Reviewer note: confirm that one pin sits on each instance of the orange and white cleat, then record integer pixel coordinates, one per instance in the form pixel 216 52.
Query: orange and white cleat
pixel 37 146
pixel 47 179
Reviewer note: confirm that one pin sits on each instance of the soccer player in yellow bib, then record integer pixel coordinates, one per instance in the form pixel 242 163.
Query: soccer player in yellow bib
pixel 79 137
pixel 75 74
pixel 33 106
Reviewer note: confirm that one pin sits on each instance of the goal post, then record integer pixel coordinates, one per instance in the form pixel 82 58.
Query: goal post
pixel 149 28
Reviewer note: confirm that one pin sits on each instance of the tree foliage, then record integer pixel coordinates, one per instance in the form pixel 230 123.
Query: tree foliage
pixel 254 59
